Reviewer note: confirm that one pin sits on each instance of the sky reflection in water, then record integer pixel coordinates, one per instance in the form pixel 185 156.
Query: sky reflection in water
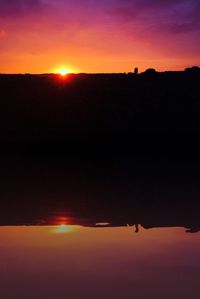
pixel 80 262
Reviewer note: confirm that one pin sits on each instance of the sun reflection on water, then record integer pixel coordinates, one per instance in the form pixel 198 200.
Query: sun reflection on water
pixel 64 229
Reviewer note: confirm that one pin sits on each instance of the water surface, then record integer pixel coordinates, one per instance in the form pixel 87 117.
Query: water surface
pixel 107 262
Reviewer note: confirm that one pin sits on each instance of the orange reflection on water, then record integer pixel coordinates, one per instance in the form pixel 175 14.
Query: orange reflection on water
pixel 41 262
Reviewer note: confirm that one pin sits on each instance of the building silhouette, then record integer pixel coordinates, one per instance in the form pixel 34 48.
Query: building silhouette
pixel 136 71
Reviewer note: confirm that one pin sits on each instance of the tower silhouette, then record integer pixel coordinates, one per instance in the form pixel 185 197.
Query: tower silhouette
pixel 136 70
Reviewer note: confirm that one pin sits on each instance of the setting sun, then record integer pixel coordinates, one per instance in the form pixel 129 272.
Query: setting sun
pixel 63 72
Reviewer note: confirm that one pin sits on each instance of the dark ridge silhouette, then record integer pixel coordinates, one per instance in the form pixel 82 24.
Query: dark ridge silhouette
pixel 149 111
pixel 193 70
pixel 150 72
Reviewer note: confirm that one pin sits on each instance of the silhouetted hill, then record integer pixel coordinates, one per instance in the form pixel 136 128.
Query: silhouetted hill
pixel 101 111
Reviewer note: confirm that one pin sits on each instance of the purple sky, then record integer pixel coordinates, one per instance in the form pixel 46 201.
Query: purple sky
pixel 95 36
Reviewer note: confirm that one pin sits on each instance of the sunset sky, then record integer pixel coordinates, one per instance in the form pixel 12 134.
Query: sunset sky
pixel 39 36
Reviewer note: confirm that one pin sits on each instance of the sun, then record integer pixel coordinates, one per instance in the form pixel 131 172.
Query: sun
pixel 63 72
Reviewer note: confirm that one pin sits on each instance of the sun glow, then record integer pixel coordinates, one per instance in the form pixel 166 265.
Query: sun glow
pixel 61 229
pixel 63 72
pixel 64 229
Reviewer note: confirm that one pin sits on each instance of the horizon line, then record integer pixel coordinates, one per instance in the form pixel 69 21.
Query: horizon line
pixel 99 73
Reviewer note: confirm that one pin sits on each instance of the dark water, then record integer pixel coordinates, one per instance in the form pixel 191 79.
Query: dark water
pixel 151 191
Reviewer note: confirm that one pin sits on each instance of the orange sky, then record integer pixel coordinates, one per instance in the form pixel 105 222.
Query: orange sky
pixel 91 36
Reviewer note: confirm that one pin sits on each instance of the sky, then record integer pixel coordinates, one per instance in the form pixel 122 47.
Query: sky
pixel 39 36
